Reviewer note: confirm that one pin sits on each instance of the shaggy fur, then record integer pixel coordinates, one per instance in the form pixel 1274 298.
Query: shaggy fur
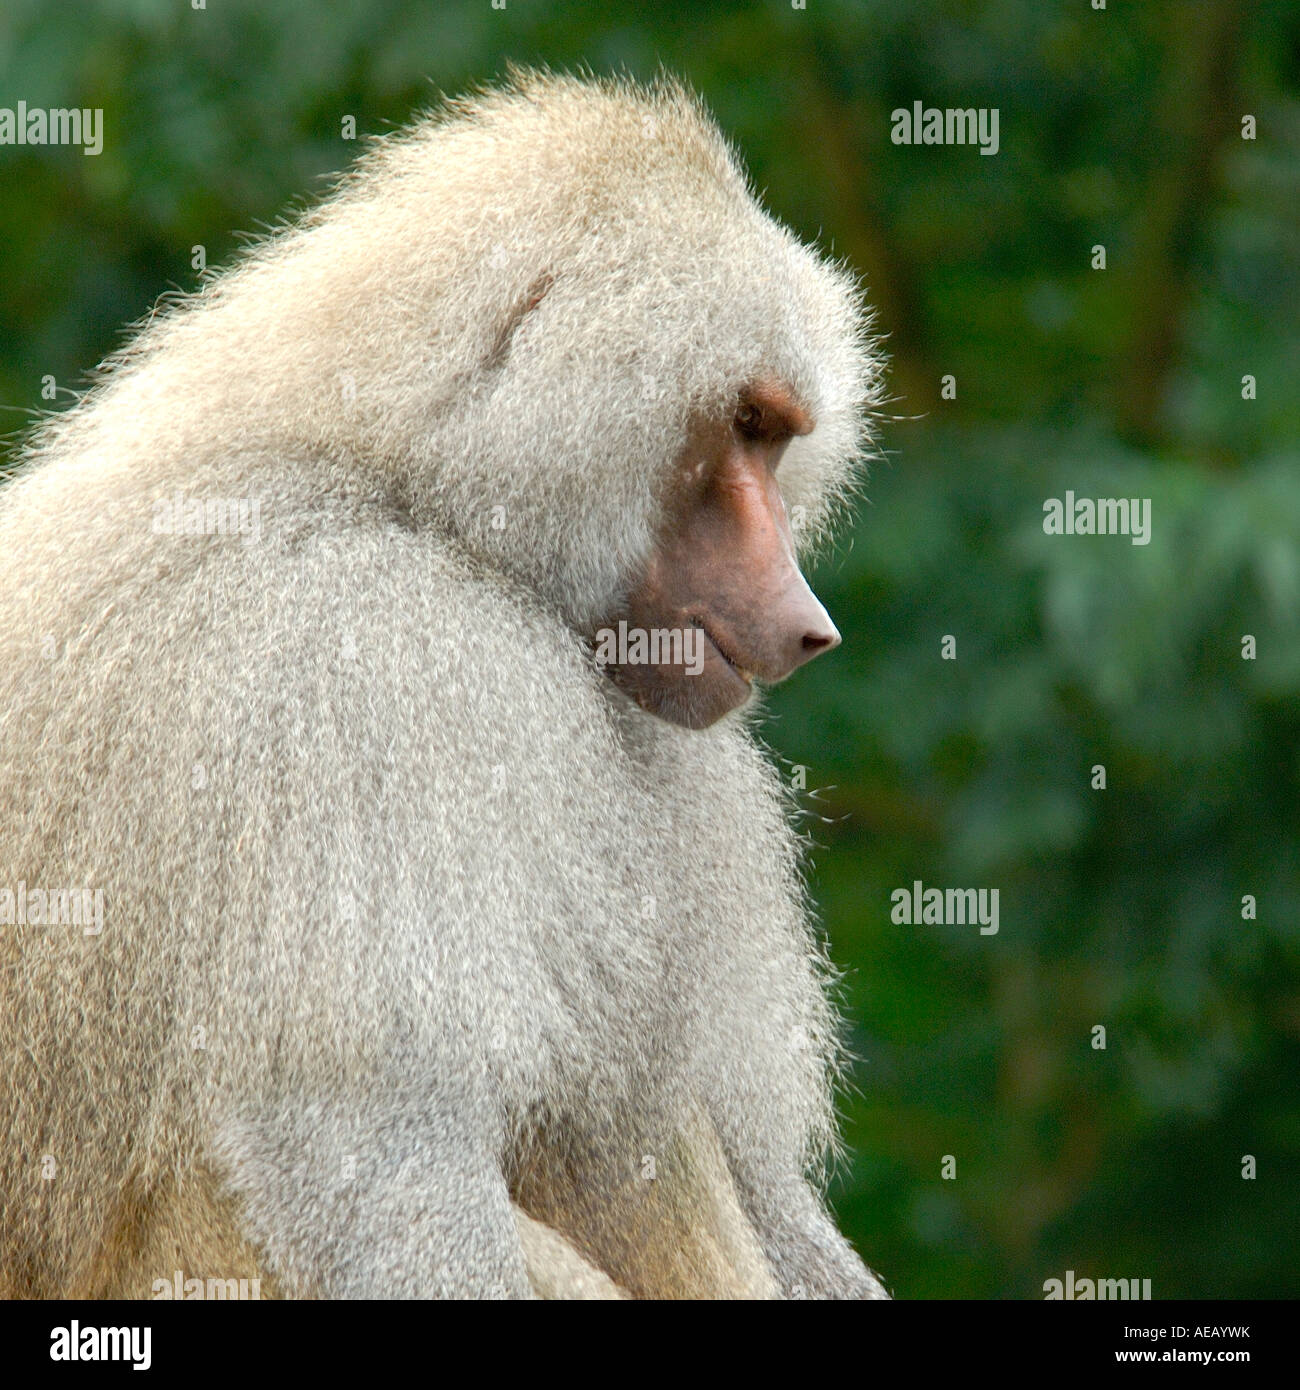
pixel 430 964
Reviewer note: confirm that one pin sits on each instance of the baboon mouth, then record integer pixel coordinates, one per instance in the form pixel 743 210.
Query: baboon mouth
pixel 745 675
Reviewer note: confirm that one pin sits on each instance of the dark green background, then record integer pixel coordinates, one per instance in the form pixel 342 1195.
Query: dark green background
pixel 1119 907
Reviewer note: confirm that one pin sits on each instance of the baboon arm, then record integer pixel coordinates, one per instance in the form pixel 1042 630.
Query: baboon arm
pixel 674 1232
pixel 810 1257
pixel 398 1197
pixel 555 1269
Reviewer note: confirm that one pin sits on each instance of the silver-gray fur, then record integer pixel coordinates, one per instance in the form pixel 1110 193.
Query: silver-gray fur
pixel 408 911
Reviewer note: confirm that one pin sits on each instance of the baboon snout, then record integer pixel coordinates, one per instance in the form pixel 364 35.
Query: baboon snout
pixel 801 629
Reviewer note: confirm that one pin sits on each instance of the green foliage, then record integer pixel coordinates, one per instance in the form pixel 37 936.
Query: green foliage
pixel 1119 907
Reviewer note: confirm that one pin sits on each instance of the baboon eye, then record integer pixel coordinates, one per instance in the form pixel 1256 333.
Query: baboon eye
pixel 749 421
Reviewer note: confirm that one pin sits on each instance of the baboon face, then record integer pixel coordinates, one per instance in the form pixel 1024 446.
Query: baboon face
pixel 723 571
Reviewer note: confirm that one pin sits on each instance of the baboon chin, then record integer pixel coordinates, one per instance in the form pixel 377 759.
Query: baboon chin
pixel 370 925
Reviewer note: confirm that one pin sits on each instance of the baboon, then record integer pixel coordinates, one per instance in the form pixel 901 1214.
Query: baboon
pixel 394 898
